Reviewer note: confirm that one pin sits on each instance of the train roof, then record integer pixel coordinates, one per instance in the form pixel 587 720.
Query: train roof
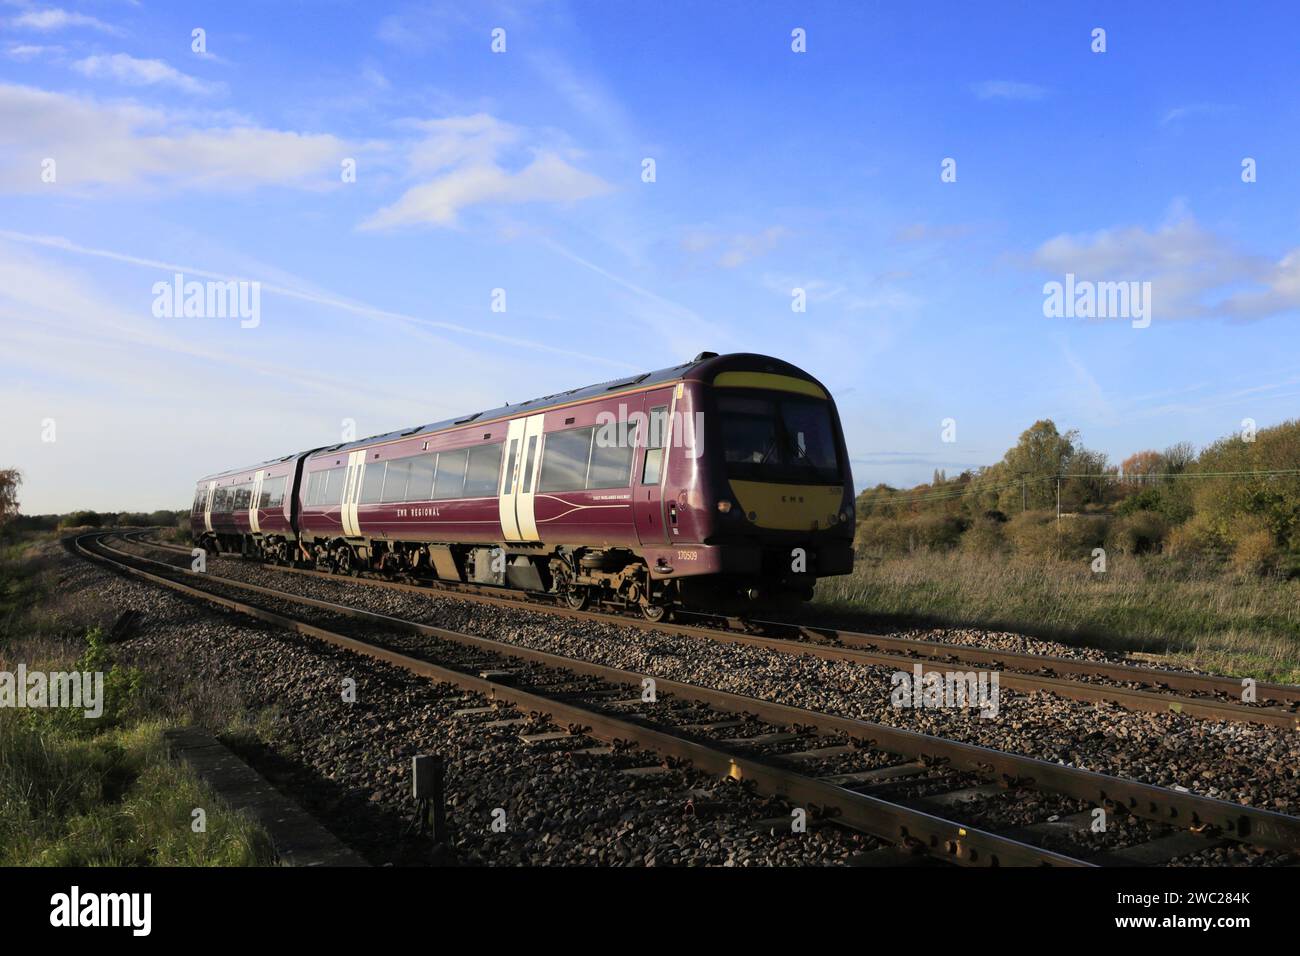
pixel 701 368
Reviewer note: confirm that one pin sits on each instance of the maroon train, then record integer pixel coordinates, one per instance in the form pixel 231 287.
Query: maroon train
pixel 721 481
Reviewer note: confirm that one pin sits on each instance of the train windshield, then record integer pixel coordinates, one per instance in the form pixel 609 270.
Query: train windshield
pixel 770 436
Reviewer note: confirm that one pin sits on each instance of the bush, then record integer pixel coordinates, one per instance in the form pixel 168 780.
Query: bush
pixel 1196 538
pixel 985 536
pixel 1256 554
pixel 931 532
pixel 1037 534
pixel 1140 532
pixel 82 519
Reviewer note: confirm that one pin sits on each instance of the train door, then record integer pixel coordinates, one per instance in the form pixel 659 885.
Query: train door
pixel 207 506
pixel 254 524
pixel 519 479
pixel 648 482
pixel 351 494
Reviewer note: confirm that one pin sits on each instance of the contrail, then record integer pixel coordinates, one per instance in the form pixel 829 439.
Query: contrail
pixel 384 315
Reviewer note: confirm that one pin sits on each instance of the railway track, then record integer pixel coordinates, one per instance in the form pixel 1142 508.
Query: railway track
pixel 1136 688
pixel 908 781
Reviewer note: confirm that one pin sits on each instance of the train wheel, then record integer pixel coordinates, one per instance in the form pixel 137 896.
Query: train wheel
pixel 654 612
pixel 575 598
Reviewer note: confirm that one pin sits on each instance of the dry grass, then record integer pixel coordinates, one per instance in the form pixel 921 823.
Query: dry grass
pixel 1199 615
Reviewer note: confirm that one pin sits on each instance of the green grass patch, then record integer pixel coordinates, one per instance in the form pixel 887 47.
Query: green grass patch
pixel 77 791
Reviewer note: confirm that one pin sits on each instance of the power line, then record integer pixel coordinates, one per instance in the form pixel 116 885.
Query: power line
pixel 973 486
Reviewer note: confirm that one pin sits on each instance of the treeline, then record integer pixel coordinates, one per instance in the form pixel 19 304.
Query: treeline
pixel 95 519
pixel 1236 501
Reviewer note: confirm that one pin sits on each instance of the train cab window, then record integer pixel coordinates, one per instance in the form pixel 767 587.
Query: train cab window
pixel 782 438
pixel 565 458
pixel 372 483
pixel 420 485
pixel 450 478
pixel 656 438
pixel 481 474
pixel 611 456
pixel 395 480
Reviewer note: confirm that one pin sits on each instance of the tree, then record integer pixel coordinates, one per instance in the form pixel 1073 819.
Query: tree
pixel 1141 465
pixel 10 479
pixel 1041 454
pixel 1179 457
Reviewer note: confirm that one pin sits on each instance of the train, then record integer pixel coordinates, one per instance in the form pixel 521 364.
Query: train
pixel 722 483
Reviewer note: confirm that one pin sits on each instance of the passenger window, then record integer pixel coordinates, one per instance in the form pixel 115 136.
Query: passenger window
pixel 395 480
pixel 450 479
pixel 372 482
pixel 334 486
pixel 656 438
pixel 314 488
pixel 564 460
pixel 273 493
pixel 481 474
pixel 420 486
pixel 611 457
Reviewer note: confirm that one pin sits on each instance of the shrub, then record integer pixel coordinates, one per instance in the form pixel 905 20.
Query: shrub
pixel 1037 534
pixel 985 536
pixel 1195 538
pixel 1256 553
pixel 936 532
pixel 1140 532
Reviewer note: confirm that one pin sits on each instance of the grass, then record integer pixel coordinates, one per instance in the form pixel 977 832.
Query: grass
pixel 1197 615
pixel 96 792
pixel 111 799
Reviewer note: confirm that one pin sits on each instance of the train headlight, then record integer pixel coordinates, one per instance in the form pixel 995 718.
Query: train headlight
pixel 831 519
pixel 724 506
pixel 844 516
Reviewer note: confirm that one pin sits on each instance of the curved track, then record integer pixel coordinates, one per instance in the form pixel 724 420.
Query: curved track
pixel 1190 820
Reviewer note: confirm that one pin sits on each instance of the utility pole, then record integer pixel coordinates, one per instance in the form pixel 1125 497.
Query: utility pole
pixel 1022 492
pixel 1058 502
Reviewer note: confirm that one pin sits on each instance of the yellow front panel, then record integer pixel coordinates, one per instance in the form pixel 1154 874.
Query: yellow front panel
pixel 789 507
pixel 768 380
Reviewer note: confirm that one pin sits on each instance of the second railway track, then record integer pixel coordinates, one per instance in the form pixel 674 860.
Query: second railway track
pixel 966 773
pixel 1133 687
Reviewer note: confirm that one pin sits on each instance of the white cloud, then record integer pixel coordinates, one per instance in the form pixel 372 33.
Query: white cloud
pixel 51 19
pixel 28 51
pixel 1193 272
pixel 467 153
pixel 1008 90
pixel 134 72
pixel 99 144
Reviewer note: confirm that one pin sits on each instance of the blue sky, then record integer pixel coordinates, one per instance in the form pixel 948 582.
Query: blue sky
pixel 522 171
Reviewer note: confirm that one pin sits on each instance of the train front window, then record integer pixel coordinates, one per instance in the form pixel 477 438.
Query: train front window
pixel 784 438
